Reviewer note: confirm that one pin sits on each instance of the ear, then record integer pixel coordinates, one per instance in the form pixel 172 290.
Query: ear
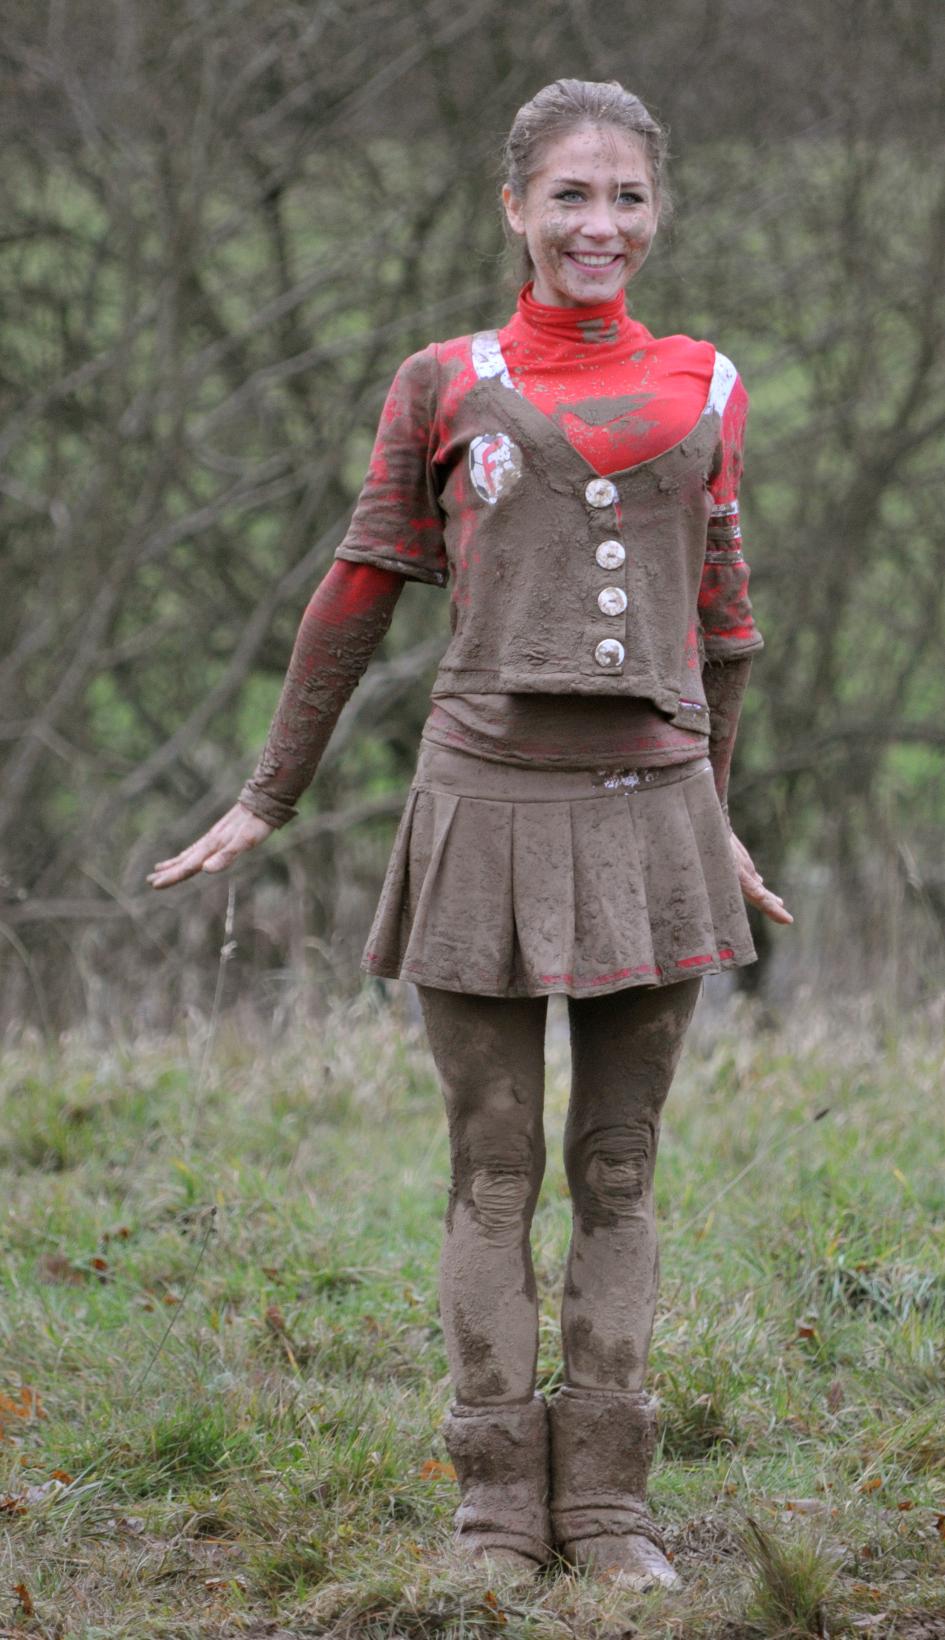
pixel 514 210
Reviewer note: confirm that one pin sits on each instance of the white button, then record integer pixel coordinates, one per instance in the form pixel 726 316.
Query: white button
pixel 611 554
pixel 612 601
pixel 600 492
pixel 609 654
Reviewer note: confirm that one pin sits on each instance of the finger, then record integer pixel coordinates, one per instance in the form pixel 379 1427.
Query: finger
pixel 192 856
pixel 776 913
pixel 769 903
pixel 167 879
pixel 178 862
pixel 223 858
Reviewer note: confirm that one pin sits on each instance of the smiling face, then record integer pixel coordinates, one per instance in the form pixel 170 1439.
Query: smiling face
pixel 588 215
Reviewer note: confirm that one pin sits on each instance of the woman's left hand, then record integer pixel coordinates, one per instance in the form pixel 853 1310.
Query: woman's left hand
pixel 753 887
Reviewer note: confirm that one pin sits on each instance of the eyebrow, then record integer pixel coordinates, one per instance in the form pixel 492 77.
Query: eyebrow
pixel 582 182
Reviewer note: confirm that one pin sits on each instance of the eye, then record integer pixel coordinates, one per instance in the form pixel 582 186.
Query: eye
pixel 569 193
pixel 630 196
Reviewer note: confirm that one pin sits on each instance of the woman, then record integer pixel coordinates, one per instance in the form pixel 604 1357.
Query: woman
pixel 576 481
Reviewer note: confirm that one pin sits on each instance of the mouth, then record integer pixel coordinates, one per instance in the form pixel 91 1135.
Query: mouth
pixel 595 261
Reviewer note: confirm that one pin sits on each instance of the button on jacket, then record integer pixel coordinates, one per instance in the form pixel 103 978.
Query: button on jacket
pixel 562 581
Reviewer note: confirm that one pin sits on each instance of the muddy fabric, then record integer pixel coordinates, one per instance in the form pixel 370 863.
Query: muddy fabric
pixel 523 517
pixel 561 731
pixel 502 1462
pixel 602 1447
pixel 345 621
pixel 725 684
pixel 489 1055
pixel 507 881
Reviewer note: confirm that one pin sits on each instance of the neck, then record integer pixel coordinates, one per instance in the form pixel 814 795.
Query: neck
pixel 600 322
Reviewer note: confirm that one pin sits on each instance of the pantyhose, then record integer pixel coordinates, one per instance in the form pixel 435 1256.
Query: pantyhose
pixel 489 1053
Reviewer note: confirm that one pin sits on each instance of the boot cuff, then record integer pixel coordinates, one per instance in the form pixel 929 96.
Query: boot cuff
pixel 602 1445
pixel 500 1454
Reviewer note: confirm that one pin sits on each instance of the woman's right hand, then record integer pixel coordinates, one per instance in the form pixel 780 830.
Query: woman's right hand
pixel 236 833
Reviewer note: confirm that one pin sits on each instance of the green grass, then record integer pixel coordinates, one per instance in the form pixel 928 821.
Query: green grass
pixel 222 1372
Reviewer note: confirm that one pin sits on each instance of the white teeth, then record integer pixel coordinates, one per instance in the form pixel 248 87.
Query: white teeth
pixel 589 259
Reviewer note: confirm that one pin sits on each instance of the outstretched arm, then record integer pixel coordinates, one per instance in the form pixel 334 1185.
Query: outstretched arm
pixel 345 621
pixel 730 635
pixel 340 630
pixel 725 683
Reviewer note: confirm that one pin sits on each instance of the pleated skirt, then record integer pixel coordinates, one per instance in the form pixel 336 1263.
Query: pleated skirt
pixel 507 881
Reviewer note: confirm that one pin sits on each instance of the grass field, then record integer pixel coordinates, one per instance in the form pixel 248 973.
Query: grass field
pixel 222 1372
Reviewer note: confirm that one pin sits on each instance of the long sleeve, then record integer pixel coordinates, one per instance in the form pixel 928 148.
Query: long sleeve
pixel 725 682
pixel 345 621
pixel 725 614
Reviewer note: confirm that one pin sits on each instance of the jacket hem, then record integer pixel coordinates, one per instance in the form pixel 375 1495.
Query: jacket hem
pixel 731 649
pixel 392 561
pixel 490 681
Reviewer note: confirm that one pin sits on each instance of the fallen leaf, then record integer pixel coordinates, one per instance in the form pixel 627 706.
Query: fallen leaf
pixel 121 1232
pixel 873 1484
pixel 906 1503
pixel 62 1475
pixel 275 1320
pixel 13 1504
pixel 25 1598
pixel 56 1268
pixel 806 1329
pixel 26 1404
pixel 805 1506
pixel 434 1470
pixel 865 1591
pixel 99 1264
pixel 835 1396
pixel 39 1494
pixel 940 1526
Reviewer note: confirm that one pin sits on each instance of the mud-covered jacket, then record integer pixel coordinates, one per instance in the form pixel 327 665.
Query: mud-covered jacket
pixel 563 582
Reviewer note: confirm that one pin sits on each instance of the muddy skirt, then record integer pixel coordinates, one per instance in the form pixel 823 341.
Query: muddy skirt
pixel 507 881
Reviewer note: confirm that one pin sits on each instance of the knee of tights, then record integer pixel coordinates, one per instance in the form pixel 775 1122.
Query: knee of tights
pixel 501 1191
pixel 610 1172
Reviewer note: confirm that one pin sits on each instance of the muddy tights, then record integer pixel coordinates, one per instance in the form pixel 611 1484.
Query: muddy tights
pixel 489 1054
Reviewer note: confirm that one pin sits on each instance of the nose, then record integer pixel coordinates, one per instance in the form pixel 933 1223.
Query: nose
pixel 599 219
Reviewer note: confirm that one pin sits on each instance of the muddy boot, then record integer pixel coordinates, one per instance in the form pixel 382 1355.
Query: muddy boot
pixel 500 1454
pixel 602 1444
